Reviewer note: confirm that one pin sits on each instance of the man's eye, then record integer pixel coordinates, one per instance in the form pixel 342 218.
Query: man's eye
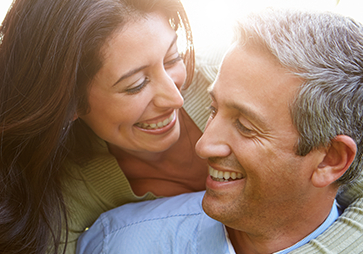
pixel 213 111
pixel 138 88
pixel 244 130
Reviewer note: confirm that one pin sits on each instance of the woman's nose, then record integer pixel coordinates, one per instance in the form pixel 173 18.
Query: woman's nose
pixel 167 94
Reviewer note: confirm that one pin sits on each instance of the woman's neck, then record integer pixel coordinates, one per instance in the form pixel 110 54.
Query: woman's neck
pixel 174 171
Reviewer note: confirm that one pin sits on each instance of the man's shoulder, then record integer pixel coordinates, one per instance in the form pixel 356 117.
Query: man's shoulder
pixel 169 207
pixel 166 225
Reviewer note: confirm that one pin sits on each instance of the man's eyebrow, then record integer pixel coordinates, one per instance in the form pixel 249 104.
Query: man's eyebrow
pixel 132 72
pixel 244 110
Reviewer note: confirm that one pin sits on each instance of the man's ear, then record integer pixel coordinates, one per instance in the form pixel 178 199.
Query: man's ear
pixel 339 156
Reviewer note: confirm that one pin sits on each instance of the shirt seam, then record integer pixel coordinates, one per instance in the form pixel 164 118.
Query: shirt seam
pixel 147 220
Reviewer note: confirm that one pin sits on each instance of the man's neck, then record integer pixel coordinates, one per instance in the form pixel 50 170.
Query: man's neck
pixel 246 244
pixel 279 239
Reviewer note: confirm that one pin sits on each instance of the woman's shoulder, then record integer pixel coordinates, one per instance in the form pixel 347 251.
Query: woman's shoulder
pixel 196 96
pixel 93 187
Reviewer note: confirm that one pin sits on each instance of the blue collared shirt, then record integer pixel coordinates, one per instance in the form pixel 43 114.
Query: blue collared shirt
pixel 183 226
pixel 166 225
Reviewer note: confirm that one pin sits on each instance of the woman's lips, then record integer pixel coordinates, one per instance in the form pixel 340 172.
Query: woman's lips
pixel 156 125
pixel 160 127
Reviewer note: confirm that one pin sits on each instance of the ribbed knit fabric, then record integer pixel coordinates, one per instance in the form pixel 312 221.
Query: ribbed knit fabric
pixel 197 98
pixel 99 185
pixel 346 234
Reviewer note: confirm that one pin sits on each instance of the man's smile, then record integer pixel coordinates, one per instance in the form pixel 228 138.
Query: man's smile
pixel 224 176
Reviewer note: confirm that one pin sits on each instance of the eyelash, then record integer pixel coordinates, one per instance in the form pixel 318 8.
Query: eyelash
pixel 213 111
pixel 177 59
pixel 138 88
pixel 241 128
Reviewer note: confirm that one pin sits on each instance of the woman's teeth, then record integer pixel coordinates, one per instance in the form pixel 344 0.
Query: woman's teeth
pixel 156 125
pixel 224 176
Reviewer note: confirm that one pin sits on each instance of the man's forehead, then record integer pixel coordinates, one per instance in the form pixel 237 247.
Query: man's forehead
pixel 254 82
pixel 254 64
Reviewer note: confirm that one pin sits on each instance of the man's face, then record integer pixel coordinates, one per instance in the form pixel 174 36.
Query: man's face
pixel 250 137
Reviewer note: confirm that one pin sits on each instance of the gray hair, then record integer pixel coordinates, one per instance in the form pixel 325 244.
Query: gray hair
pixel 326 50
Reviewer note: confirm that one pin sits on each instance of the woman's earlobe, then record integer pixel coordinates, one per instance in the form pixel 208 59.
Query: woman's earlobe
pixel 338 158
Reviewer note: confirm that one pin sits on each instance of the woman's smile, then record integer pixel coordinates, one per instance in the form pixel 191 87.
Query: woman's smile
pixel 158 127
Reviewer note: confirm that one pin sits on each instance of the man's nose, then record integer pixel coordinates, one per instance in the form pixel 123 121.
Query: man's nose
pixel 214 141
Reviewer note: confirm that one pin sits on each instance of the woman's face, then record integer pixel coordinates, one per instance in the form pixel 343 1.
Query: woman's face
pixel 135 97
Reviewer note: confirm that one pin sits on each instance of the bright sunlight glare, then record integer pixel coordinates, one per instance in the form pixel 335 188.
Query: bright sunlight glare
pixel 212 21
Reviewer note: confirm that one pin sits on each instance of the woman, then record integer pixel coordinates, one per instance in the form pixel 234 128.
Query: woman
pixel 77 73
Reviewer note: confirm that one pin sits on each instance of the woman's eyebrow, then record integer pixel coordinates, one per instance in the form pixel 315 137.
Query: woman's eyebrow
pixel 132 72
pixel 173 41
pixel 129 74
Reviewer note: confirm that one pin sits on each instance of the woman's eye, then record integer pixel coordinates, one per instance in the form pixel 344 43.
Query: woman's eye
pixel 138 88
pixel 172 62
pixel 244 130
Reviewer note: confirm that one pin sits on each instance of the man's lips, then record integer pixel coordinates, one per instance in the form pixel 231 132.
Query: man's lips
pixel 224 176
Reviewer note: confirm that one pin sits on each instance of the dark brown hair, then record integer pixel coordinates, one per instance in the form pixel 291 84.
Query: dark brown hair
pixel 49 53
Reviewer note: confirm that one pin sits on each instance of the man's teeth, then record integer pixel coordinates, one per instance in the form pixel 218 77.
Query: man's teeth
pixel 156 125
pixel 224 176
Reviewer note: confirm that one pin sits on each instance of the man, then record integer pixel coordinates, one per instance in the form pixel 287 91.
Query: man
pixel 285 134
pixel 287 107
